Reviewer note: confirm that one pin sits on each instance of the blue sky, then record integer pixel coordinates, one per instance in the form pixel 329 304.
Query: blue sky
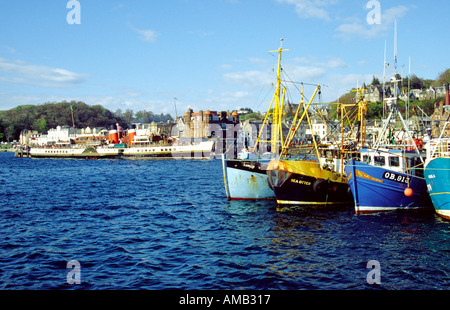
pixel 209 54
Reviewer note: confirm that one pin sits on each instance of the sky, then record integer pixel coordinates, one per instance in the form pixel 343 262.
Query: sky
pixel 168 56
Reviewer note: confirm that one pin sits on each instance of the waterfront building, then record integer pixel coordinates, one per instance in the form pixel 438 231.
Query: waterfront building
pixel 441 115
pixel 205 124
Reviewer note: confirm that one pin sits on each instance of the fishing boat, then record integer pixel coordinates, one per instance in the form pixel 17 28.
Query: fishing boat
pixel 389 176
pixel 315 177
pixel 245 177
pixel 386 179
pixel 437 175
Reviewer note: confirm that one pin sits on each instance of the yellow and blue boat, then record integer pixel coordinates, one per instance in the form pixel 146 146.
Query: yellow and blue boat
pixel 381 181
pixel 390 175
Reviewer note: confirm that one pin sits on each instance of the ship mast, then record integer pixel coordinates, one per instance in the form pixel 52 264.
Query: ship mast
pixel 73 123
pixel 277 110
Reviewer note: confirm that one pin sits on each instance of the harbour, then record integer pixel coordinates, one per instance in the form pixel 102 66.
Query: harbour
pixel 287 169
pixel 382 175
pixel 139 225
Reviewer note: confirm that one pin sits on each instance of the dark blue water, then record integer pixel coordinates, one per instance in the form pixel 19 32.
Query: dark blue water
pixel 166 224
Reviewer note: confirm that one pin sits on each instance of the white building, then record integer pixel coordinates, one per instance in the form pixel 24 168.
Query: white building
pixel 320 129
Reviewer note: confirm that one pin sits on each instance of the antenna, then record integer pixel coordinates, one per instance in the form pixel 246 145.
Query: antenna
pixel 395 46
pixel 409 89
pixel 175 105
pixel 384 77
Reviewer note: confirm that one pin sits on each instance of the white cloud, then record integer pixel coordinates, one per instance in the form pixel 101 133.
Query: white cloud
pixel 201 34
pixel 311 8
pixel 252 78
pixel 335 62
pixel 20 72
pixel 300 70
pixel 308 74
pixel 226 67
pixel 362 29
pixel 146 35
pixel 227 97
pixel 9 49
pixel 343 83
pixel 257 60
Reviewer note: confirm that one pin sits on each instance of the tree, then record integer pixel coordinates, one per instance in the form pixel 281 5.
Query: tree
pixel 443 78
pixel 375 81
pixel 374 110
pixel 51 115
pixel 415 82
pixel 40 125
pixel 128 115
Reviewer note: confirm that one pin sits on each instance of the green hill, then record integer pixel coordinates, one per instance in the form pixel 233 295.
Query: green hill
pixel 50 115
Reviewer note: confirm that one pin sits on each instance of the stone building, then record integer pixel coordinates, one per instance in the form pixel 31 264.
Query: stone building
pixel 205 124
pixel 441 115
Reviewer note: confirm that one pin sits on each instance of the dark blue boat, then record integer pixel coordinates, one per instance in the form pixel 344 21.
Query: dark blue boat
pixel 381 181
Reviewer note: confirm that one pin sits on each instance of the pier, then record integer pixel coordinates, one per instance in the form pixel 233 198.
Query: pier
pixel 20 153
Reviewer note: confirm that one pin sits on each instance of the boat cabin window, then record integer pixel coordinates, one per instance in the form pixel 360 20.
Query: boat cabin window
pixel 366 159
pixel 394 161
pixel 380 160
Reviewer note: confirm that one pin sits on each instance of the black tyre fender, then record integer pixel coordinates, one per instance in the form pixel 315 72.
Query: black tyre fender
pixel 320 185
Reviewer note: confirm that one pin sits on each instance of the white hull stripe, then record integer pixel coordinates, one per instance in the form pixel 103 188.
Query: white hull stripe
pixel 289 202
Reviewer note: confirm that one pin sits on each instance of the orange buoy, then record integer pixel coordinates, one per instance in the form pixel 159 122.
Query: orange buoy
pixel 408 192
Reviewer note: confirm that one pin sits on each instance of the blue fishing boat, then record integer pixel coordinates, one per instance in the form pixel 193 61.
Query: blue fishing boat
pixel 245 177
pixel 390 175
pixel 387 180
pixel 437 176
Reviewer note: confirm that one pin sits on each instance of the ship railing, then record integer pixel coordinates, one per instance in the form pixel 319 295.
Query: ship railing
pixel 441 148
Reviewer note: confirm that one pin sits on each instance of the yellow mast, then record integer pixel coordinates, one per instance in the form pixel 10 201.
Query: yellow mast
pixel 276 140
pixel 276 115
pixel 296 126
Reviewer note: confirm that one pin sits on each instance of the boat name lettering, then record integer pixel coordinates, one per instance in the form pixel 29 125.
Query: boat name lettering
pixel 249 166
pixel 431 176
pixel 395 177
pixel 300 182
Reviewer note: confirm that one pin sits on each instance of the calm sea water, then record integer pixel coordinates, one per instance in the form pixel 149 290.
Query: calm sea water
pixel 166 224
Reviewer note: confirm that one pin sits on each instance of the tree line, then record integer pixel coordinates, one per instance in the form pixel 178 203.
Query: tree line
pixel 43 117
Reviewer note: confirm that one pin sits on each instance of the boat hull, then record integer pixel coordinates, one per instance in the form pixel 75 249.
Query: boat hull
pixel 376 189
pixel 305 183
pixel 85 153
pixel 202 150
pixel 438 185
pixel 246 180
